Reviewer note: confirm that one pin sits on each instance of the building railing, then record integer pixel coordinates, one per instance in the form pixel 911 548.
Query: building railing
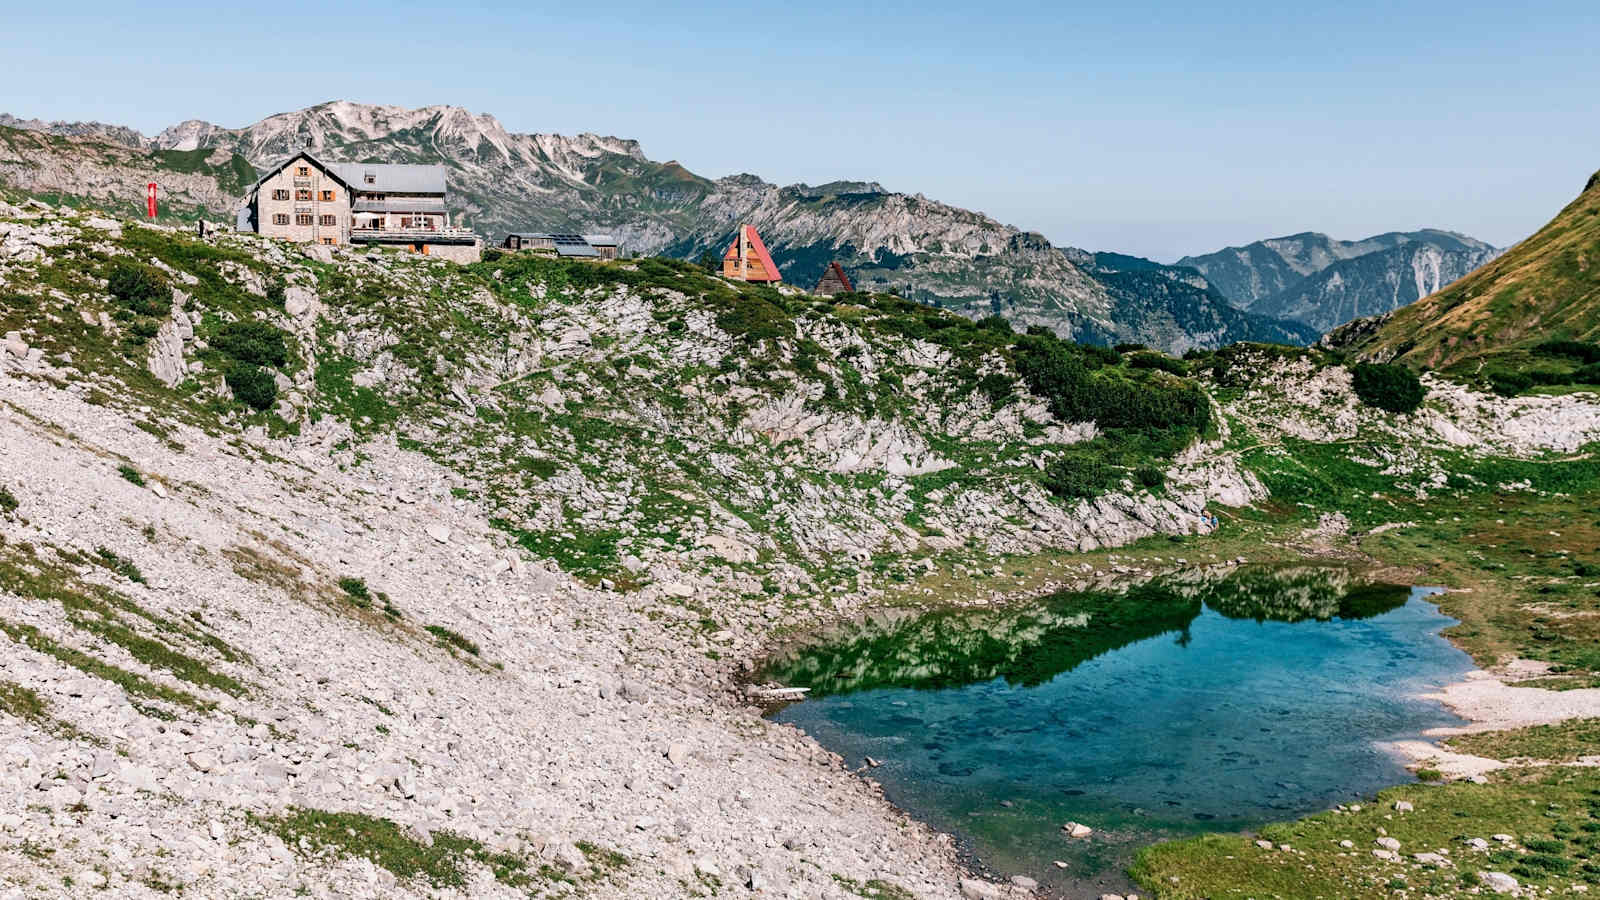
pixel 427 207
pixel 359 234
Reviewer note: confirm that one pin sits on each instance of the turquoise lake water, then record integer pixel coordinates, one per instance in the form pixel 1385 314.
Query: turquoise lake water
pixel 1187 705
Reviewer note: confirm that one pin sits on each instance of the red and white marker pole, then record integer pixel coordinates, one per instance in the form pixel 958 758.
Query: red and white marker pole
pixel 150 199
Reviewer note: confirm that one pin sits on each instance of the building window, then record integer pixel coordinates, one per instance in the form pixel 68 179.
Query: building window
pixel 303 171
pixel 371 178
pixel 329 220
pixel 327 196
pixel 280 219
pixel 303 194
pixel 280 195
pixel 329 241
pixel 303 219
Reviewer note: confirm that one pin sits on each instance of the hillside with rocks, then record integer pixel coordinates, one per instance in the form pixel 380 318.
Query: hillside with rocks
pixel 367 574
pixel 917 247
pixel 1322 282
pixel 85 168
pixel 456 608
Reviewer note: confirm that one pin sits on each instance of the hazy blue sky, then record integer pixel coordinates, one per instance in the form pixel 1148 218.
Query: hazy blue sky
pixel 1151 128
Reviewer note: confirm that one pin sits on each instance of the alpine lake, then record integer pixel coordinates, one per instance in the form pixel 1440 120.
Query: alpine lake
pixel 1199 702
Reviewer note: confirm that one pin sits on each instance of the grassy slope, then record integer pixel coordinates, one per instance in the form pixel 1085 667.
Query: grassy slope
pixel 1546 287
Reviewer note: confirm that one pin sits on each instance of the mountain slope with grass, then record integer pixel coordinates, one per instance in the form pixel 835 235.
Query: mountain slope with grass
pixel 1542 289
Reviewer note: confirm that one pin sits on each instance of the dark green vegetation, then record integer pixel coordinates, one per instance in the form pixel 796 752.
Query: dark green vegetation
pixel 141 289
pixel 254 342
pixel 1554 815
pixel 1545 288
pixel 251 385
pixel 1551 364
pixel 8 501
pixel 130 474
pixel 1393 388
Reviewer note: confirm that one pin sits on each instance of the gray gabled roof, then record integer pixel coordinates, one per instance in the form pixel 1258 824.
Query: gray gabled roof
pixel 330 168
pixel 393 178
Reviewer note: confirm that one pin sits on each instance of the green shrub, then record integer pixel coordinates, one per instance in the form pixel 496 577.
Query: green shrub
pixel 1157 361
pixel 117 564
pixel 256 343
pixel 130 474
pixel 453 639
pixel 1078 475
pixel 8 500
pixel 1130 347
pixel 1430 775
pixel 1582 351
pixel 139 287
pixel 356 590
pixel 1389 387
pixel 275 292
pixel 1509 384
pixel 998 324
pixel 251 385
pixel 1101 354
pixel 755 319
pixel 1150 476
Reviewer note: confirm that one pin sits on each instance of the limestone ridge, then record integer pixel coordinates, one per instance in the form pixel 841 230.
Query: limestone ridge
pixel 1323 282
pixel 925 250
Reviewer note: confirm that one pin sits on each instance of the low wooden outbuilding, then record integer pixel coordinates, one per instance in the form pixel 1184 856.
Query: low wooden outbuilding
pixel 834 281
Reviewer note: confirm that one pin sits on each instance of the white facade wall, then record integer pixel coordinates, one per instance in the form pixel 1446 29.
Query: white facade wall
pixel 283 218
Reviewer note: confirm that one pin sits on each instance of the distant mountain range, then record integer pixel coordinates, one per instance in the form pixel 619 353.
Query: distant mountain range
pixel 1547 287
pixel 1323 282
pixel 906 243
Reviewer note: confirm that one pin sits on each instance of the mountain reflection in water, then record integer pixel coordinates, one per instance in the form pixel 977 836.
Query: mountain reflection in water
pixel 1029 644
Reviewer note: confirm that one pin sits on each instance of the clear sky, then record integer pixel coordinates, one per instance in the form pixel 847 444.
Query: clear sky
pixel 1147 127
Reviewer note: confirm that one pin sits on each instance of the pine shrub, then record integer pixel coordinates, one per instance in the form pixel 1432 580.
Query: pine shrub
pixel 1388 387
pixel 251 385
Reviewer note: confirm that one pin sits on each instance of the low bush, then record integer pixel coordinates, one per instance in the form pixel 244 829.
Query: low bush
pixel 1389 387
pixel 1157 361
pixel 130 474
pixel 256 343
pixel 251 385
pixel 1078 476
pixel 119 565
pixel 139 287
pixel 1150 476
pixel 453 639
pixel 1583 351
pixel 356 590
pixel 8 500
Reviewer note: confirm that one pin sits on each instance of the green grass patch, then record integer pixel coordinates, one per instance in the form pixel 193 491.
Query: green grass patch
pixel 444 862
pixel 1560 742
pixel 1532 805
pixel 453 639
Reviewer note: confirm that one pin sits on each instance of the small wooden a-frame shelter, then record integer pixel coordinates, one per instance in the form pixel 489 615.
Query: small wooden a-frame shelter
pixel 834 281
pixel 747 259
